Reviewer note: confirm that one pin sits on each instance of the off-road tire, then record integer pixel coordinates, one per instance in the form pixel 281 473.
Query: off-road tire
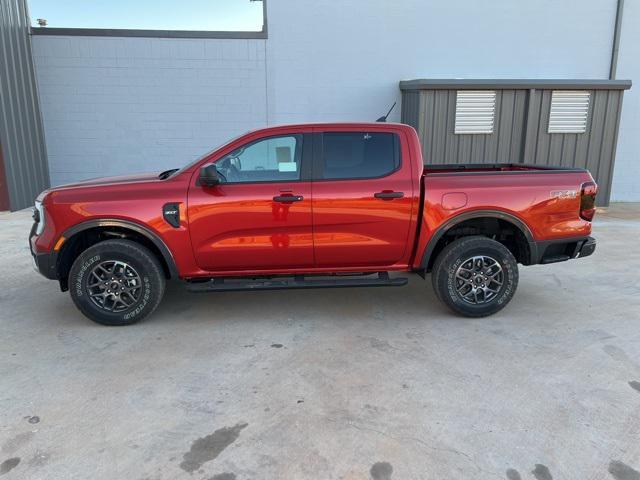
pixel 448 262
pixel 140 261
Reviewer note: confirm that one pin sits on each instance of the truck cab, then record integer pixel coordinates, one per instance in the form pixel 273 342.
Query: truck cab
pixel 314 205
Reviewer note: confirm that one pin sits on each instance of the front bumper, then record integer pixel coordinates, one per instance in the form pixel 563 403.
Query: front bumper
pixel 44 263
pixel 560 250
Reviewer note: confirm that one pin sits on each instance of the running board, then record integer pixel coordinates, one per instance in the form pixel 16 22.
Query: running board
pixel 299 281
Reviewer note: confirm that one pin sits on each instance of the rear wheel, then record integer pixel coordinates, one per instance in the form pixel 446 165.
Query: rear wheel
pixel 475 276
pixel 116 282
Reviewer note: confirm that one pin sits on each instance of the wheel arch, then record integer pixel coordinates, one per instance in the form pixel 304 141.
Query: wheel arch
pixel 432 248
pixel 117 228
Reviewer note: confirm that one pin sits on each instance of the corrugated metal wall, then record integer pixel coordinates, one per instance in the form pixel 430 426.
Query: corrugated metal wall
pixel 520 126
pixel 442 145
pixel 593 150
pixel 21 133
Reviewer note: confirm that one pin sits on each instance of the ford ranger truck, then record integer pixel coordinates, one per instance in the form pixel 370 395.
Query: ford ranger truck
pixel 318 205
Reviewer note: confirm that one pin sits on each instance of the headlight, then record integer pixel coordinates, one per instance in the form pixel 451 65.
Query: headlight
pixel 38 217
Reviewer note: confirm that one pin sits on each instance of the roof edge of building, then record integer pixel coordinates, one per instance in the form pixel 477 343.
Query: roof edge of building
pixel 514 83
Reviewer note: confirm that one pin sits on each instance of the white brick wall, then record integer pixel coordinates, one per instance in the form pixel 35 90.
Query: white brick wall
pixel 343 60
pixel 118 105
pixel 121 105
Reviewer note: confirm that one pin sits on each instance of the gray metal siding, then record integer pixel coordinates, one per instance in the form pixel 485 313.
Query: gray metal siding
pixel 21 133
pixel 520 128
pixel 410 108
pixel 593 150
pixel 435 122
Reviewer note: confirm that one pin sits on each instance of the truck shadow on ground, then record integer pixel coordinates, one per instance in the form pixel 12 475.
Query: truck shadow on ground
pixel 416 300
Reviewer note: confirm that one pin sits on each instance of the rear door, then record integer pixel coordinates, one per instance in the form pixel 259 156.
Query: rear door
pixel 362 198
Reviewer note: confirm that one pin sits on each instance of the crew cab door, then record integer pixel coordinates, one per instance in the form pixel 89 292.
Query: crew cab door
pixel 362 198
pixel 259 217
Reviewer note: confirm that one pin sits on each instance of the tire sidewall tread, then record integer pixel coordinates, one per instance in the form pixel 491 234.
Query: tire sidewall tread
pixel 452 256
pixel 145 263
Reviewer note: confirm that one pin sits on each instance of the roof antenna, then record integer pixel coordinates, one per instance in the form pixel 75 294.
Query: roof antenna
pixel 384 117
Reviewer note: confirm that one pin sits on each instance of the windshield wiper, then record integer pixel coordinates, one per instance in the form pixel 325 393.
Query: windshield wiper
pixel 167 173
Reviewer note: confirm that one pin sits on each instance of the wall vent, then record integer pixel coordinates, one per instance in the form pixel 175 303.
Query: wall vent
pixel 569 111
pixel 475 111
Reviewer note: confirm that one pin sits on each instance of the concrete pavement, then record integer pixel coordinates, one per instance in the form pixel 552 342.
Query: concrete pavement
pixel 329 384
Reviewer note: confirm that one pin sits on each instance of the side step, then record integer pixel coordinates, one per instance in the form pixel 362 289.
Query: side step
pixel 230 284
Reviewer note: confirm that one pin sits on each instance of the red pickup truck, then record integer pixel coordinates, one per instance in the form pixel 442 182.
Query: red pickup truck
pixel 318 205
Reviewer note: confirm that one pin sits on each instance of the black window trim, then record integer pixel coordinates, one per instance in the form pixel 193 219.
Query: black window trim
pixel 305 158
pixel 318 151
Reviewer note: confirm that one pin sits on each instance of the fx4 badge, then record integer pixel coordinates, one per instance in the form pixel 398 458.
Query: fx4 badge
pixel 564 194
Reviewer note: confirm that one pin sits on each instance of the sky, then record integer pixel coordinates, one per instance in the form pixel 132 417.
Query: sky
pixel 233 15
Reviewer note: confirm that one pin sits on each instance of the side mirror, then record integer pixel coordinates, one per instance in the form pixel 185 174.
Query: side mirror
pixel 209 175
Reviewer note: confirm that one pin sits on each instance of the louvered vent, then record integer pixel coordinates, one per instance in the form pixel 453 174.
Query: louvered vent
pixel 475 110
pixel 569 110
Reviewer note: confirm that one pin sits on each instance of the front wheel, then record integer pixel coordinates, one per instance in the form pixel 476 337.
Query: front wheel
pixel 116 282
pixel 475 276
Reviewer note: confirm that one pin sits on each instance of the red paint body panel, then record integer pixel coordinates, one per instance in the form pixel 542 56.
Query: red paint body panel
pixel 526 196
pixel 137 199
pixel 240 227
pixel 339 226
pixel 354 229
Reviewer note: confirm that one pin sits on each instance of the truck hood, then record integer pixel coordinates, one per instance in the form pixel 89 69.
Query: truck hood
pixel 120 179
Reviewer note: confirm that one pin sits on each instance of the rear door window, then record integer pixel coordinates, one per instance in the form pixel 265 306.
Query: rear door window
pixel 353 155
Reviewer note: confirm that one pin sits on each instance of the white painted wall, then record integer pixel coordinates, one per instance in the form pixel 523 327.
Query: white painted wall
pixel 626 174
pixel 342 60
pixel 119 105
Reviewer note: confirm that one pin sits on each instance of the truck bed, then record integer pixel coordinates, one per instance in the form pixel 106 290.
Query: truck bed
pixel 484 168
pixel 544 200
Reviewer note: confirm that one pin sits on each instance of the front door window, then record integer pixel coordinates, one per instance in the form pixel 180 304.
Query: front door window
pixel 273 159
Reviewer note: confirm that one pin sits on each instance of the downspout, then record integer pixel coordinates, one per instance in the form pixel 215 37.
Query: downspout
pixel 616 41
pixel 265 29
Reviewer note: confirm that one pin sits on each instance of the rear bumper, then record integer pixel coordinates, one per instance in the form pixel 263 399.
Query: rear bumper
pixel 587 248
pixel 560 250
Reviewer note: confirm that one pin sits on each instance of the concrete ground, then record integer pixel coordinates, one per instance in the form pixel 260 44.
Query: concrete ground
pixel 329 384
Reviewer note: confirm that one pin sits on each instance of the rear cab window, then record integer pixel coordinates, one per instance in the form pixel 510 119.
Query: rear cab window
pixel 358 155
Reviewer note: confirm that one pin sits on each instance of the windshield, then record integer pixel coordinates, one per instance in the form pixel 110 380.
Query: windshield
pixel 191 164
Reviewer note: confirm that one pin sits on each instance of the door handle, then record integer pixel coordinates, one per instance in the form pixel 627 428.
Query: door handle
pixel 288 198
pixel 388 195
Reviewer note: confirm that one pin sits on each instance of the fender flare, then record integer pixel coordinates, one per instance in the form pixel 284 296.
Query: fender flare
pixel 128 225
pixel 497 214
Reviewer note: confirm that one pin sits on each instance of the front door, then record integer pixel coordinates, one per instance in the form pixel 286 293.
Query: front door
pixel 362 199
pixel 259 217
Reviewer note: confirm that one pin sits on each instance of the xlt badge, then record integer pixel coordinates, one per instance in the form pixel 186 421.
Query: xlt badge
pixel 171 214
